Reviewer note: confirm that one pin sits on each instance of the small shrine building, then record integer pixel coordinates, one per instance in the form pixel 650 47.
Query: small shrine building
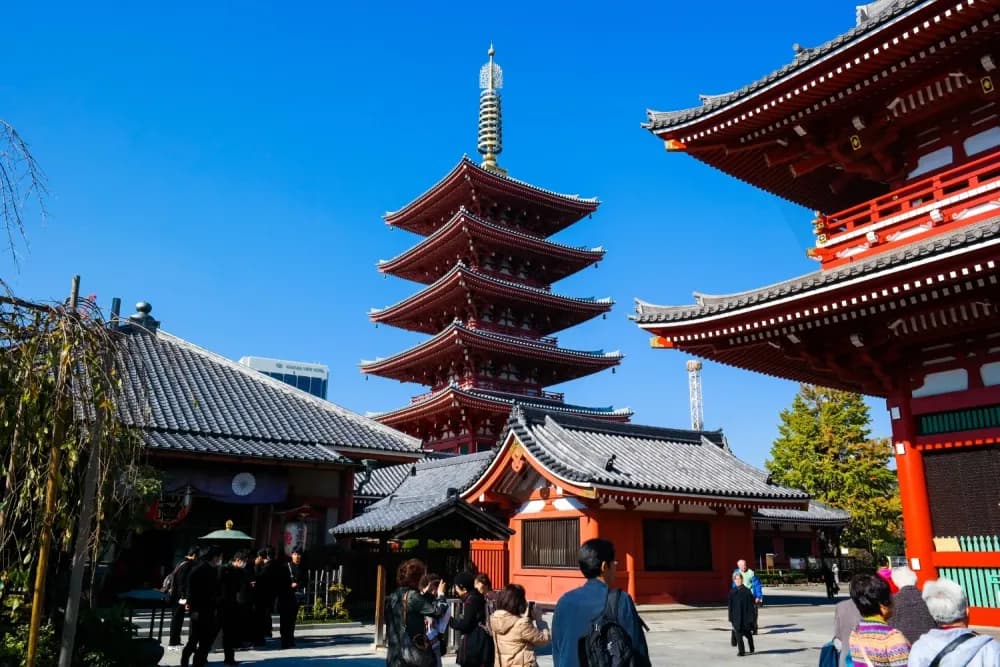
pixel 677 504
pixel 891 133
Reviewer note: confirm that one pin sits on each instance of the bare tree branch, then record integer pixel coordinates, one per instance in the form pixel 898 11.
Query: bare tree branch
pixel 21 179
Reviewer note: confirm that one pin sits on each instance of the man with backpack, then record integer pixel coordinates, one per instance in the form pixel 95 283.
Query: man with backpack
pixel 597 625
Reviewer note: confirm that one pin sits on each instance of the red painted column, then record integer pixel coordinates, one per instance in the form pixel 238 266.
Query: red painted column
pixel 913 493
pixel 630 566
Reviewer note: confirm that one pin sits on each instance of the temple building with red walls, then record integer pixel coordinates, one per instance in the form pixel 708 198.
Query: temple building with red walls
pixel 677 504
pixel 890 132
pixel 487 264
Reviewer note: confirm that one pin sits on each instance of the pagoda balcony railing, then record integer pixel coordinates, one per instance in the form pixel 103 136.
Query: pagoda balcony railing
pixel 491 385
pixel 511 388
pixel 420 398
pixel 959 195
pixel 513 333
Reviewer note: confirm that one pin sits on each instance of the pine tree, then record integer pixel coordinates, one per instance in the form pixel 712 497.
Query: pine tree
pixel 825 448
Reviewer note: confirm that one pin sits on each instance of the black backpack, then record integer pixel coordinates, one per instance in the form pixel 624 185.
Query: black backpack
pixel 608 644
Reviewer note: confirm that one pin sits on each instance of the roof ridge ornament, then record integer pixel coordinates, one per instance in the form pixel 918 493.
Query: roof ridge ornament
pixel 490 122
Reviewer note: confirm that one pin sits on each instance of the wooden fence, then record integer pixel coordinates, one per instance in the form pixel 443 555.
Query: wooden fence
pixel 318 583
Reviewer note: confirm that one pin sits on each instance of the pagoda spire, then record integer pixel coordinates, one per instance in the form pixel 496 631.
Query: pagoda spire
pixel 490 125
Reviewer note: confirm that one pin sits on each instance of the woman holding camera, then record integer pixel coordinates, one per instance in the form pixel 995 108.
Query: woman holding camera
pixel 518 629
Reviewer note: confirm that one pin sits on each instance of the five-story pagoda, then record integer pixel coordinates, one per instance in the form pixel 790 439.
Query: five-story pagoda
pixel 487 265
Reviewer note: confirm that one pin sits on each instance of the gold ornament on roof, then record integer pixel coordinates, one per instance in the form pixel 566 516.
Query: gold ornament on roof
pixel 490 121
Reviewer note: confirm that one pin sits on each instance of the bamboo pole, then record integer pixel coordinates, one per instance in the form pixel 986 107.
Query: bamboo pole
pixel 45 547
pixel 379 606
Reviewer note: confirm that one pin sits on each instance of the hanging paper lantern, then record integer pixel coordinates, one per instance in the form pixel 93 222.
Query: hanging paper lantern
pixel 295 536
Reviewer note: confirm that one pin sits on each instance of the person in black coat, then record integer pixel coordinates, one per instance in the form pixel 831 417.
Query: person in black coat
pixel 264 591
pixel 203 603
pixel 742 612
pixel 234 600
pixel 475 648
pixel 178 592
pixel 291 593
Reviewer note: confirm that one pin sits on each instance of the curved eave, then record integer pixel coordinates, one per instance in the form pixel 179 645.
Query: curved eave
pixel 502 461
pixel 835 523
pixel 812 62
pixel 591 488
pixel 466 279
pixel 980 238
pixel 456 339
pixel 466 169
pixel 453 397
pixel 407 264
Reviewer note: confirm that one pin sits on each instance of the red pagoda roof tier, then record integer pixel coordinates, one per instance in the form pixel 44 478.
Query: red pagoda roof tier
pixel 463 294
pixel 516 203
pixel 453 399
pixel 466 237
pixel 853 327
pixel 462 350
pixel 844 121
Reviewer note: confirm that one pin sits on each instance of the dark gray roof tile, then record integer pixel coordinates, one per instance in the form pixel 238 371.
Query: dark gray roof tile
pixel 424 491
pixel 186 398
pixel 878 15
pixel 646 458
pixel 818 513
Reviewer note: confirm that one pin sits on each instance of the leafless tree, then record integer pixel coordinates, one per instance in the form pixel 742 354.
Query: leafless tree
pixel 21 181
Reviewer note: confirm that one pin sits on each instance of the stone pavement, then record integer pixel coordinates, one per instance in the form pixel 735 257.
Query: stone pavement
pixel 793 626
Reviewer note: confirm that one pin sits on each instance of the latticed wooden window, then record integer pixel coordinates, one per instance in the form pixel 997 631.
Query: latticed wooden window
pixel 969 419
pixel 673 545
pixel 550 543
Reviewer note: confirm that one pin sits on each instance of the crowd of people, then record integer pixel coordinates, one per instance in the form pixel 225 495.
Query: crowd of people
pixel 886 622
pixel 877 627
pixel 237 598
pixel 502 628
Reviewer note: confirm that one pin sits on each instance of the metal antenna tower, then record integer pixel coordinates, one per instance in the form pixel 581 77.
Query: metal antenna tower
pixel 694 390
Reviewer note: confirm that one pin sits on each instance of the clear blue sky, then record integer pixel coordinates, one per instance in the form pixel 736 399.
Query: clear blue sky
pixel 230 163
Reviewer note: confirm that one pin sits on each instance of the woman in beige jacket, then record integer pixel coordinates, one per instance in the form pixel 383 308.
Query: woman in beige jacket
pixel 517 629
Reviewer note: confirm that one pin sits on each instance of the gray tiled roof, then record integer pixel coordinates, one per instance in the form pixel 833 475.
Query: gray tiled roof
pixel 229 445
pixel 879 14
pixel 646 458
pixel 710 305
pixel 421 493
pixel 818 513
pixel 383 481
pixel 187 399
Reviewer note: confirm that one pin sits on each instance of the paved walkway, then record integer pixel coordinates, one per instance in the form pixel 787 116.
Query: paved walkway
pixel 793 626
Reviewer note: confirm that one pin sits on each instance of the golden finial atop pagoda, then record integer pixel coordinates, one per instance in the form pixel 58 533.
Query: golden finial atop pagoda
pixel 490 134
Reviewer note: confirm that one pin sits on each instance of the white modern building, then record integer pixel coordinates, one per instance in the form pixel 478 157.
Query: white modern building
pixel 308 377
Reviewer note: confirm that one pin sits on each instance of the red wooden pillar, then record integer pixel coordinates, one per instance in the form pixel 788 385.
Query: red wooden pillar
pixel 913 493
pixel 630 567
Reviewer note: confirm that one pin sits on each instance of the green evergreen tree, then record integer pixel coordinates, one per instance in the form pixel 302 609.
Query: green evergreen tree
pixel 825 448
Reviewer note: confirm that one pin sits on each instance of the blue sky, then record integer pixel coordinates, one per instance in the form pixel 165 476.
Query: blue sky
pixel 230 163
